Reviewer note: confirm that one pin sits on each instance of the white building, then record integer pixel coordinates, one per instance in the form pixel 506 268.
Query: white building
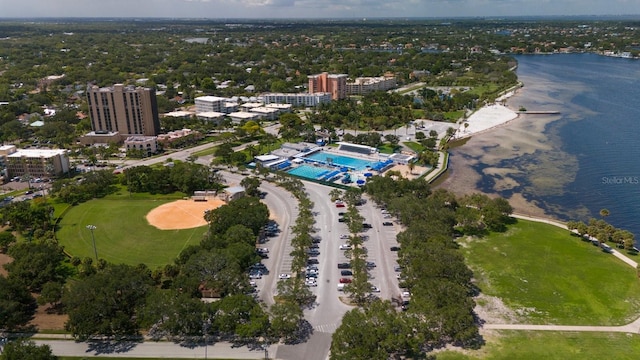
pixel 240 116
pixel 43 163
pixel 148 144
pixel 212 116
pixel 210 103
pixel 365 85
pixel 282 108
pixel 297 99
pixel 266 113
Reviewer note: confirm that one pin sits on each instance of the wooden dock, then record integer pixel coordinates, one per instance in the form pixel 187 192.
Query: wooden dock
pixel 540 112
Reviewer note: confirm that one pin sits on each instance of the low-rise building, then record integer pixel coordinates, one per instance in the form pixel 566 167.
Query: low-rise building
pixel 240 116
pixel 297 99
pixel 211 116
pixel 266 113
pixel 147 144
pixel 35 162
pixel 365 85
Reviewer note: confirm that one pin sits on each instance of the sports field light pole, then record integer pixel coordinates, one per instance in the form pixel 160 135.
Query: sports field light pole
pixel 95 250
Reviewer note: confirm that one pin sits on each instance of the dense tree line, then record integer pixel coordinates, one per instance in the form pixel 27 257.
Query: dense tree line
pixel 604 232
pixel 182 176
pixel 94 184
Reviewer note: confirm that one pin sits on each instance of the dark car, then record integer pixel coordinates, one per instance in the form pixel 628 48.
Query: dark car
pixel 395 248
pixel 316 240
pixel 346 272
pixel 341 219
pixel 341 214
pixel 345 281
pixel 344 266
pixel 28 192
pixel 312 261
pixel 387 223
pixel 367 226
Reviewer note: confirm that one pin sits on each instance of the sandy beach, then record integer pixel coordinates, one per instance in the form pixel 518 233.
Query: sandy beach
pixel 486 118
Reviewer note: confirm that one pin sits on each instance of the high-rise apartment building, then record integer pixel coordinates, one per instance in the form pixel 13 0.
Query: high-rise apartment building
pixel 335 84
pixel 127 110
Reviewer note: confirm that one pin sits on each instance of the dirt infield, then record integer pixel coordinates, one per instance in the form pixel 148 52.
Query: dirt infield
pixel 181 214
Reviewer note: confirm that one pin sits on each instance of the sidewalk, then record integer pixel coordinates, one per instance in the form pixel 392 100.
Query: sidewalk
pixel 561 225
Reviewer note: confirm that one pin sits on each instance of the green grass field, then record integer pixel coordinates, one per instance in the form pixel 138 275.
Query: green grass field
pixel 122 233
pixel 554 277
pixel 535 345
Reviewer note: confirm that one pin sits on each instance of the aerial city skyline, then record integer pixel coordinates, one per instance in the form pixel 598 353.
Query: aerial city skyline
pixel 214 9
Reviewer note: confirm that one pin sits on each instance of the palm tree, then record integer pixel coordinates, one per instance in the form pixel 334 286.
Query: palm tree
pixel 411 166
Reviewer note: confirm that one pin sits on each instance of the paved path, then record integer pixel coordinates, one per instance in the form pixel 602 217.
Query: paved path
pixel 561 225
pixel 633 327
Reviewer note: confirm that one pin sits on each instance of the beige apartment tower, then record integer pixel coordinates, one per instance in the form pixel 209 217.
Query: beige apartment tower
pixel 335 84
pixel 127 110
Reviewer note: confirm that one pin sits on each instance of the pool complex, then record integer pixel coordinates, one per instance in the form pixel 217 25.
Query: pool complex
pixel 341 160
pixel 310 172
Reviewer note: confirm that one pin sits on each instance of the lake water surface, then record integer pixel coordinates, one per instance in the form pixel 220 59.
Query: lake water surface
pixel 566 166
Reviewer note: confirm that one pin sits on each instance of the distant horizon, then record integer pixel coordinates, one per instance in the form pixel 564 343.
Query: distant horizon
pixel 267 19
pixel 314 9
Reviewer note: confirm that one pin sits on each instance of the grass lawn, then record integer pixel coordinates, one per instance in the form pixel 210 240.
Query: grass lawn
pixel 417 147
pixel 388 148
pixel 534 345
pixel 551 277
pixel 122 233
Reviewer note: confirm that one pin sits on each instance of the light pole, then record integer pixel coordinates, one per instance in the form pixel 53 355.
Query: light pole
pixel 95 250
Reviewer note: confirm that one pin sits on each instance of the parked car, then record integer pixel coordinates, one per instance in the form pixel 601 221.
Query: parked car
pixel 316 240
pixel 344 266
pixel 346 272
pixel 387 223
pixel 341 219
pixel 312 267
pixel 371 264
pixel 344 236
pixel 395 248
pixel 339 205
pixel 284 276
pixel 367 226
pixel 312 261
pixel 345 281
pixel 255 275
pixel 375 289
pixel 311 282
pixel 345 247
pixel 341 213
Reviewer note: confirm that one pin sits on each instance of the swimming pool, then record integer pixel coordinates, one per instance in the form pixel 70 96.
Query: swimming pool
pixel 309 172
pixel 341 160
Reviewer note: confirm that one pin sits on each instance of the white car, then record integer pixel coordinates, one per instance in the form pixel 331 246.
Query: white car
pixel 375 289
pixel 311 282
pixel 344 236
pixel 284 276
pixel 255 276
pixel 263 250
pixel 253 283
pixel 345 247
pixel 312 271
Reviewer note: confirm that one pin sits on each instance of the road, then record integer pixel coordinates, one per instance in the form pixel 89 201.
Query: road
pixel 152 349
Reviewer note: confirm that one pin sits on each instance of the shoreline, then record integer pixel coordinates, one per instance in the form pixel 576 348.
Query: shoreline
pixel 487 118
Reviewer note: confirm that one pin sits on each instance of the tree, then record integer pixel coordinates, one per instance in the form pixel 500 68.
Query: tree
pixel 35 264
pixel 251 184
pixel 6 239
pixel 285 318
pixel 26 350
pixel 17 306
pixel 374 332
pixel 51 294
pixel 108 302
pixel 604 213
pixel 174 314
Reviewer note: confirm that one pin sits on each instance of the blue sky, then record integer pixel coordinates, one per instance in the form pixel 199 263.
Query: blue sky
pixel 312 8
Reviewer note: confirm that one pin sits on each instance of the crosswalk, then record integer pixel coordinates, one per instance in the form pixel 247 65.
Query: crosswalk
pixel 326 328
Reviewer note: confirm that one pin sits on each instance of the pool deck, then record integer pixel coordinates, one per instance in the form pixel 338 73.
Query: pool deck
pixel 360 174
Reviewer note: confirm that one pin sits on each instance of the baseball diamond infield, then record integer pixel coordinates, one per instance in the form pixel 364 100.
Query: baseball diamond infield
pixel 182 214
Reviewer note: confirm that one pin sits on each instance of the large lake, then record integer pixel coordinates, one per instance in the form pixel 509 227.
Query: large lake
pixel 566 166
